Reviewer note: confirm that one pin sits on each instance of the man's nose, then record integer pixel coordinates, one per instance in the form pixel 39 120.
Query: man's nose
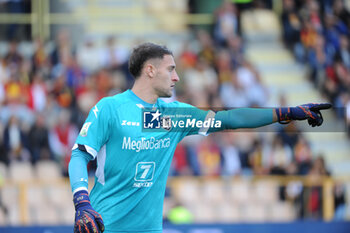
pixel 175 77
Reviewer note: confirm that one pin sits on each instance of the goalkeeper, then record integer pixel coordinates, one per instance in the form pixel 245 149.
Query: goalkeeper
pixel 133 164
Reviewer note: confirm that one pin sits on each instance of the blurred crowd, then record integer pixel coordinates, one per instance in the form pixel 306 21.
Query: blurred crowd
pixel 318 34
pixel 218 75
pixel 45 97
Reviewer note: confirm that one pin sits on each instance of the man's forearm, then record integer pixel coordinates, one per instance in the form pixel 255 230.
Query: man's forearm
pixel 246 118
pixel 78 174
pixel 257 117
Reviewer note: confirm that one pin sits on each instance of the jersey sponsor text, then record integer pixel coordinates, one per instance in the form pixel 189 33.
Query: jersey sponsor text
pixel 145 144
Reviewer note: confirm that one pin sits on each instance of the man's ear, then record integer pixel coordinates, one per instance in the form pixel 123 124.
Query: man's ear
pixel 150 70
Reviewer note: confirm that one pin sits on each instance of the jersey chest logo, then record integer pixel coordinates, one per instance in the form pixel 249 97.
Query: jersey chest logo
pixel 130 123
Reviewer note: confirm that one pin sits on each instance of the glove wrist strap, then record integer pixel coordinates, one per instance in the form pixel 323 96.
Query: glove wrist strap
pixel 81 198
pixel 283 115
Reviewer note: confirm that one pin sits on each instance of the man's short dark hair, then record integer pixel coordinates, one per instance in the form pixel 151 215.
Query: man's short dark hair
pixel 143 53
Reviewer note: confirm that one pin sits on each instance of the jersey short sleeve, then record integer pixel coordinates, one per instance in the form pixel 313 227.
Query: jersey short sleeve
pixel 96 129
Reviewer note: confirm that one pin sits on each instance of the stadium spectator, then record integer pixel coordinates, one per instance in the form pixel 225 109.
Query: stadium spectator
pixel 180 166
pixel 37 93
pixel 40 58
pixel 236 50
pixel 61 139
pixel 344 51
pixel 315 194
pixel 256 158
pixel 279 157
pixel 341 12
pixel 226 23
pixel 223 66
pixel 289 135
pixel 339 201
pixel 206 47
pixel 250 81
pixel 3 156
pixel 232 94
pixel 15 141
pixel 38 138
pixel 302 155
pixel 318 59
pixel 88 56
pixel 201 81
pixel 62 48
pixel 292 25
pixel 75 75
pixel 4 71
pixel 313 15
pixel 13 58
pixel 191 144
pixel 209 157
pixel 113 56
pixel 230 159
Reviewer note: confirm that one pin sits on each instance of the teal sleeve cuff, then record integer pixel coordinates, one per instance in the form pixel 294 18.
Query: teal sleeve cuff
pixel 77 169
pixel 244 118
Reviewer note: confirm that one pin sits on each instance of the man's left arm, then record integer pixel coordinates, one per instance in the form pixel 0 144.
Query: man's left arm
pixel 257 117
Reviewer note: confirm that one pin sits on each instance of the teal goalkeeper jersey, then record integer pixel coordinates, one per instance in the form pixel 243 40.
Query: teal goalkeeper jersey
pixel 133 163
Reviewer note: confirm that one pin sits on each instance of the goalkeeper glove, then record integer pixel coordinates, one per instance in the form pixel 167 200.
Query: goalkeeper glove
pixel 87 220
pixel 311 112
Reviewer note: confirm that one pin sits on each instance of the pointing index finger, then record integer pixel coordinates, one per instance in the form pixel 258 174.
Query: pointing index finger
pixel 321 106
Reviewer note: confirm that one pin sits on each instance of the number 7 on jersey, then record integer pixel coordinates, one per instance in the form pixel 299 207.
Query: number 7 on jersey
pixel 144 171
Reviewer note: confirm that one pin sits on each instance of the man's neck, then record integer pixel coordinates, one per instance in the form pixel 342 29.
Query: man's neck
pixel 144 92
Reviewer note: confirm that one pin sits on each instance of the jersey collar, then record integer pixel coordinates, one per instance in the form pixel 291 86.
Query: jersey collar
pixel 139 100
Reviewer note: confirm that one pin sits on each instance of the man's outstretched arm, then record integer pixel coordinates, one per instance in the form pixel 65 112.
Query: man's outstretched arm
pixel 257 117
pixel 86 218
pixel 246 118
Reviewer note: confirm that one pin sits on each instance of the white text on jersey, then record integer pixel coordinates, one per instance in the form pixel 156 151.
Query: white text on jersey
pixel 145 144
pixel 130 123
pixel 95 110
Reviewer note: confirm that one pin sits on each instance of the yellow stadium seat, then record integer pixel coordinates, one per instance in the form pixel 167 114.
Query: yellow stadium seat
pixel 266 191
pixel 281 212
pixel 48 170
pixel 254 213
pixel 21 171
pixel 228 213
pixel 241 191
pixel 213 191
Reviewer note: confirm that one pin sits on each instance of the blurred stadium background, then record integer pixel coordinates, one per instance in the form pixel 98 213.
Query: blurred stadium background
pixel 59 57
